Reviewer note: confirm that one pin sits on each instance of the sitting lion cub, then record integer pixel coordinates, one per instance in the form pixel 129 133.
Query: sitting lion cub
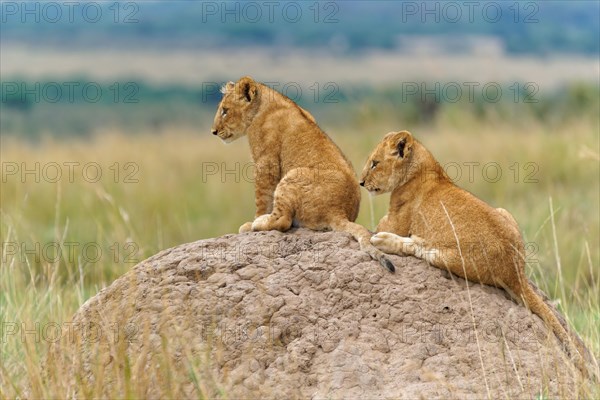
pixel 302 177
pixel 431 218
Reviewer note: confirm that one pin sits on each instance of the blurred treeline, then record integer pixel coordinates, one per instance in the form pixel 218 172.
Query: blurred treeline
pixel 532 27
pixel 82 107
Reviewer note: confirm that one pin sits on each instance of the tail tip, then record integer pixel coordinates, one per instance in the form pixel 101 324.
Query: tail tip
pixel 387 264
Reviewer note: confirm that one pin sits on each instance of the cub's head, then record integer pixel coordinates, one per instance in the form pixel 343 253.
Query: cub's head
pixel 236 110
pixel 388 165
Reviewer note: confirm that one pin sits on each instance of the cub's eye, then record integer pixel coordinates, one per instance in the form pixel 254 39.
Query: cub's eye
pixel 224 112
pixel 374 164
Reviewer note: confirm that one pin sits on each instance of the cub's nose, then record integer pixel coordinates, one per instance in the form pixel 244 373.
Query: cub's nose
pixel 214 131
pixel 362 183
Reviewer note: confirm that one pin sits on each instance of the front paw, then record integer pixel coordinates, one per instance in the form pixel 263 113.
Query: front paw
pixel 261 223
pixel 417 239
pixel 247 227
pixel 386 242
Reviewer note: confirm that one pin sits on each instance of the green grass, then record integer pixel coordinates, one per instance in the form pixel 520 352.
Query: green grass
pixel 169 199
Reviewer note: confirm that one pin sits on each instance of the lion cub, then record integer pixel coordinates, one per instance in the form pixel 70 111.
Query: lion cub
pixel 301 176
pixel 431 218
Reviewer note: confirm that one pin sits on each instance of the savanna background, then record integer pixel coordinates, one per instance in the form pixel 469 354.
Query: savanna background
pixel 107 156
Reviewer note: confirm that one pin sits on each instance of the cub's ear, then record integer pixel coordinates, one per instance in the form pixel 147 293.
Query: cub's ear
pixel 404 142
pixel 248 88
pixel 228 87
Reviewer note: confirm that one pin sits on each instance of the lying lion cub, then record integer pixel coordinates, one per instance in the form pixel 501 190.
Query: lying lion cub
pixel 302 177
pixel 431 218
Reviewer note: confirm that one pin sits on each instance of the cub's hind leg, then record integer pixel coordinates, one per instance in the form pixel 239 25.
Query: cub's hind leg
pixel 285 203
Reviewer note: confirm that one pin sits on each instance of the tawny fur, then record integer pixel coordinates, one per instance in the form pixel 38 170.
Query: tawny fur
pixel 431 218
pixel 302 177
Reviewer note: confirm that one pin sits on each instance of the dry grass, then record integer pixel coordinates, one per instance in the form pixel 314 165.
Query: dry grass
pixel 176 201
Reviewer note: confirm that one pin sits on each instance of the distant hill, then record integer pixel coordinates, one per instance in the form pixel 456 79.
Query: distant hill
pixel 534 27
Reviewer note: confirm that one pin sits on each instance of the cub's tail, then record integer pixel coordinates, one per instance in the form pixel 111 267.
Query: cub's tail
pixel 363 237
pixel 539 304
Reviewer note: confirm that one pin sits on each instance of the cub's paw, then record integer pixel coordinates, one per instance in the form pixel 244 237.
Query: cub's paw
pixel 417 239
pixel 247 227
pixel 386 242
pixel 261 223
pixel 392 243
